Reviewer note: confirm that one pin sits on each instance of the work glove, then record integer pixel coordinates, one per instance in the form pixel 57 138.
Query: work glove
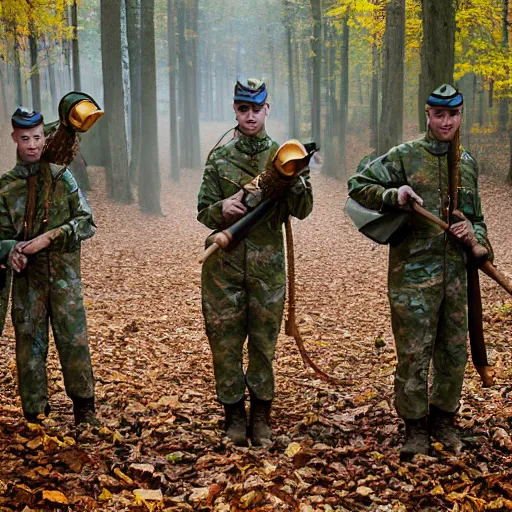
pixel 16 259
pixel 405 195
pixel 233 208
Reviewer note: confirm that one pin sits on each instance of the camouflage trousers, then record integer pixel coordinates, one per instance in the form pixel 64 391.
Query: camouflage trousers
pixel 430 325
pixel 243 298
pixel 37 301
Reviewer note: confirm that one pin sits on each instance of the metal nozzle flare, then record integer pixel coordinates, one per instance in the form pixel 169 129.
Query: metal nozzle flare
pixel 83 115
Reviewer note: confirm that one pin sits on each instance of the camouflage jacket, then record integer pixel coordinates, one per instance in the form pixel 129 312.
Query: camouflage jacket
pixel 232 166
pixel 68 210
pixel 423 165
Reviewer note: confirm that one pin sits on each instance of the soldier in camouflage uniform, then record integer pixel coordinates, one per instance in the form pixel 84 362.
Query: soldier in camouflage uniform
pixel 243 290
pixel 46 270
pixel 427 277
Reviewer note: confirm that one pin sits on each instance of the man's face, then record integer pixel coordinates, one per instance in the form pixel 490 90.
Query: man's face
pixel 30 143
pixel 251 117
pixel 444 122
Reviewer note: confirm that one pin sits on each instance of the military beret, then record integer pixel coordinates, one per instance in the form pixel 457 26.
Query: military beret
pixel 24 118
pixel 254 92
pixel 445 96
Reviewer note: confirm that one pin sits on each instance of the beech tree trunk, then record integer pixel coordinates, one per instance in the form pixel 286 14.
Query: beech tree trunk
pixel 437 50
pixel 188 82
pixel 391 120
pixel 374 98
pixel 504 102
pixel 114 142
pixel 74 47
pixel 35 78
pixel 134 55
pixel 316 64
pixel 149 175
pixel 174 161
pixel 344 84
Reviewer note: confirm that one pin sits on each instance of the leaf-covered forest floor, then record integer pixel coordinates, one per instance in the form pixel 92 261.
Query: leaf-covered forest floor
pixel 336 447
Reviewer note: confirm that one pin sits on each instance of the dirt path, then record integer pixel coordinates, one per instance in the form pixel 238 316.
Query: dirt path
pixel 336 448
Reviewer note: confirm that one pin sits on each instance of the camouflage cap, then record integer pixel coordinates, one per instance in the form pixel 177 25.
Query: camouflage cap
pixel 254 92
pixel 445 96
pixel 24 118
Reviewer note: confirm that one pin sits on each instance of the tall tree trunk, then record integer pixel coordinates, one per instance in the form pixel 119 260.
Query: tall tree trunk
pixel 219 89
pixel 194 138
pixel 149 177
pixel 113 122
pixel 174 172
pixel 67 48
pixel 316 64
pixel 4 114
pixel 481 103
pixel 391 121
pixel 17 71
pixel 74 45
pixel 134 56
pixel 34 73
pixel 374 97
pixel 182 79
pixel 298 87
pixel 437 50
pixel 292 118
pixel 307 70
pixel 504 102
pixel 509 177
pixel 51 80
pixel 344 84
pixel 331 143
pixel 188 98
pixel 466 85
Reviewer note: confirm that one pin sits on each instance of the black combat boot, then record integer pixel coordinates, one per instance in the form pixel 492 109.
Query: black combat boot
pixel 261 433
pixel 35 417
pixel 442 429
pixel 84 411
pixel 235 425
pixel 416 439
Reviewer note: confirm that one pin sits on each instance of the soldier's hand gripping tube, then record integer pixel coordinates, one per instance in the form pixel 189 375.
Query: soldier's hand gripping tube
pixel 290 160
pixel 262 193
pixel 220 241
pixel 239 230
pixel 476 249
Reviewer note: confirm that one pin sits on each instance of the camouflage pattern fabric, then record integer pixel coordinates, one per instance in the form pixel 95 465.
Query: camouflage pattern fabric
pixel 50 288
pixel 243 290
pixel 427 276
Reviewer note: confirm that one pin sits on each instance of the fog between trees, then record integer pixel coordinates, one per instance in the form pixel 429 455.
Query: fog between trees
pixel 332 68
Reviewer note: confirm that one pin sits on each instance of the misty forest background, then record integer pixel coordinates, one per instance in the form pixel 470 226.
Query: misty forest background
pixel 332 68
pixel 351 75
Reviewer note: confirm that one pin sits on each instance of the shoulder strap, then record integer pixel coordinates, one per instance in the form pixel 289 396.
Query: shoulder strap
pixel 30 207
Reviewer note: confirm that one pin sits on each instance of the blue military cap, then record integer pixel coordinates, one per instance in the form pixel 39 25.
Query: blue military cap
pixel 24 118
pixel 445 96
pixel 254 92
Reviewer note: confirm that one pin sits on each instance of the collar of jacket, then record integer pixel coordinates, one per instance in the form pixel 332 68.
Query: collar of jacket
pixel 25 170
pixel 434 146
pixel 252 145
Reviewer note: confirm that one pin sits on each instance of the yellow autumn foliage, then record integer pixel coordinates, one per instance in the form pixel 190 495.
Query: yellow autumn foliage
pixel 39 18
